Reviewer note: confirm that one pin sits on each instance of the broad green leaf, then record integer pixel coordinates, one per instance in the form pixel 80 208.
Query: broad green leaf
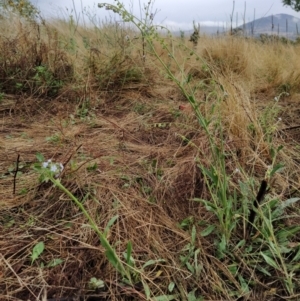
pixel 264 271
pixel 270 261
pixel 129 259
pixel 95 283
pixel 209 206
pixel 190 267
pixel 54 262
pixel 244 284
pixel 212 174
pixel 280 147
pixel 297 256
pixel 276 168
pixel 192 99
pixel 186 222
pixel 222 244
pixel 171 287
pixel 111 256
pixel 152 262
pixel 233 268
pixel 191 296
pixel 285 250
pixel 147 290
pixel 40 157
pixel 240 244
pixel 207 231
pixel 37 251
pixel 288 202
pixel 286 233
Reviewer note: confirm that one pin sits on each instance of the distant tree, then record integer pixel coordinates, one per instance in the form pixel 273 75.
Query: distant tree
pixel 294 4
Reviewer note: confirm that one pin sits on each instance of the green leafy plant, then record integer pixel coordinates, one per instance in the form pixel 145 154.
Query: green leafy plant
pixel 45 81
pixel 50 171
pixel 189 257
pixel 96 283
pixel 55 138
pixel 37 250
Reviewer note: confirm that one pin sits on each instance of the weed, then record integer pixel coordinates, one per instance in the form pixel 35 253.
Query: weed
pixel 55 138
pixel 37 250
pixel 189 257
pixel 50 171
pixel 45 81
pixel 96 283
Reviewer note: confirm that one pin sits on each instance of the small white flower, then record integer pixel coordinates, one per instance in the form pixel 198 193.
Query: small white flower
pixel 46 164
pixel 53 168
pixel 236 171
pixel 276 98
pixel 279 119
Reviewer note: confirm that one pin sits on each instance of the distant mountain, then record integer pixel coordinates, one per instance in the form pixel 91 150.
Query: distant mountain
pixel 282 24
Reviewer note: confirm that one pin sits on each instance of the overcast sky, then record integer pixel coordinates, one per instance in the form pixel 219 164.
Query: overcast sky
pixel 178 13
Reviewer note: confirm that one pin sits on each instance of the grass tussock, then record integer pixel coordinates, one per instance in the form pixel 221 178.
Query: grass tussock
pixel 164 147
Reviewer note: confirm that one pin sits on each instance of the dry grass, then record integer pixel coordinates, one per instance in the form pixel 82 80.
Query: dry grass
pixel 114 122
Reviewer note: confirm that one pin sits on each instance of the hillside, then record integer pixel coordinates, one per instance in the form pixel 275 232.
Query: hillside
pixel 283 25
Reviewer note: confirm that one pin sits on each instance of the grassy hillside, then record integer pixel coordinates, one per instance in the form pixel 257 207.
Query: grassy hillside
pixel 174 171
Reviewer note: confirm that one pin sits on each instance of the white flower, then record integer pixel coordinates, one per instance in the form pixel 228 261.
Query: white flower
pixel 279 119
pixel 276 98
pixel 53 168
pixel 236 170
pixel 45 164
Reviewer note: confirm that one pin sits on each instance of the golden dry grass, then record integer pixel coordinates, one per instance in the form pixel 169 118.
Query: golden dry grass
pixel 115 123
